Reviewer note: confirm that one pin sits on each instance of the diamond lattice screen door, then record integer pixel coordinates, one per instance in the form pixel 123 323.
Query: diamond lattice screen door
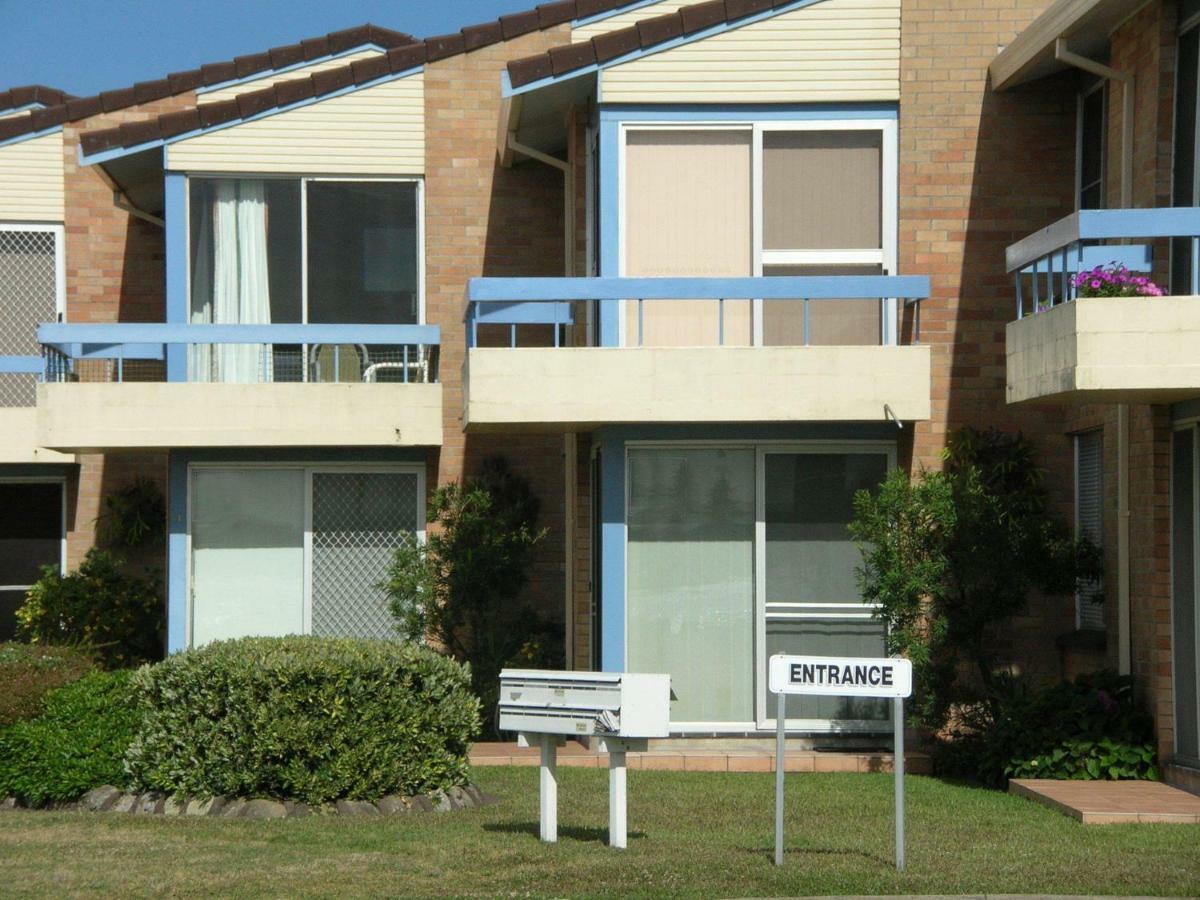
pixel 30 286
pixel 358 521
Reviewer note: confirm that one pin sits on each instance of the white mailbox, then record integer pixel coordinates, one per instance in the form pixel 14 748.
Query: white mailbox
pixel 582 704
pixel 623 709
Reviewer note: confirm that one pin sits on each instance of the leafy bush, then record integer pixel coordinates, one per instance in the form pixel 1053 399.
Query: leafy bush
pixel 314 719
pixel 134 516
pixel 461 589
pixel 29 672
pixel 76 744
pixel 951 556
pixel 99 606
pixel 1089 728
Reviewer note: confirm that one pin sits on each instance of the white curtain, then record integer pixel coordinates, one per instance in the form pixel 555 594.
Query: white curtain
pixel 240 287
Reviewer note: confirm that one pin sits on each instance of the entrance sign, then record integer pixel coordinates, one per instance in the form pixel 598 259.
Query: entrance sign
pixel 835 676
pixel 840 677
pixel 623 710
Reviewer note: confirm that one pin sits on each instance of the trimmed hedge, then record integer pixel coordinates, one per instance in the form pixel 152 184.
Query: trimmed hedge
pixel 76 744
pixel 304 718
pixel 29 672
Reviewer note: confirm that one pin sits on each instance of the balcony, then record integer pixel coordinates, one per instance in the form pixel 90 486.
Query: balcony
pixel 1103 349
pixel 142 386
pixel 18 417
pixel 729 375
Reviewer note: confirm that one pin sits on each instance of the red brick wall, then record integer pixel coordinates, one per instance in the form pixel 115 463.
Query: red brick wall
pixel 978 171
pixel 1144 45
pixel 115 273
pixel 481 219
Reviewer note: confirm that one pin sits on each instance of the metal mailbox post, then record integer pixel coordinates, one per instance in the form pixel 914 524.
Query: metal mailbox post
pixel 623 709
pixel 832 676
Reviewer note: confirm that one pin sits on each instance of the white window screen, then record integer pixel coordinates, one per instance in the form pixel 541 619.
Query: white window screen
pixel 358 521
pixel 1089 518
pixel 688 214
pixel 813 603
pixel 822 190
pixel 690 592
pixel 28 297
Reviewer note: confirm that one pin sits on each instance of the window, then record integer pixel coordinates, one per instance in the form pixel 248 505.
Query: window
pixel 297 549
pixel 737 552
pixel 803 198
pixel 31 536
pixel 1183 182
pixel 1185 610
pixel 1091 143
pixel 305 250
pixel 1089 519
pixel 31 292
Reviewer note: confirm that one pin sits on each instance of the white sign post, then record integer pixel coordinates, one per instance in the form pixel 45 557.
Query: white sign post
pixel 834 676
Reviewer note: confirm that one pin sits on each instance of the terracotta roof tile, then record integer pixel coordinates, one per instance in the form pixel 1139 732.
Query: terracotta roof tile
pixel 73 109
pixel 403 53
pixel 27 94
pixel 642 35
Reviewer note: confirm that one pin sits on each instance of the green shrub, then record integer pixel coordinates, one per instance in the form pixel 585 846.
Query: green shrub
pixel 314 719
pixel 29 672
pixel 77 743
pixel 99 606
pixel 950 557
pixel 463 588
pixel 1086 729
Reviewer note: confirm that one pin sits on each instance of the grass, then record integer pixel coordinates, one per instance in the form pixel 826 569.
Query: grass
pixel 691 834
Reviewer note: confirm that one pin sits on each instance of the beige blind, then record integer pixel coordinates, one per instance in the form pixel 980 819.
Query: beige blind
pixel 821 190
pixel 837 323
pixel 687 214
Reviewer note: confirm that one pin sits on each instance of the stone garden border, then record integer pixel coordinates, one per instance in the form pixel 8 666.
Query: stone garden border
pixel 108 798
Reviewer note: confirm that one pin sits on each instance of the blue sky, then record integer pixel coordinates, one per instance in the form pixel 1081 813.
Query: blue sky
pixel 87 47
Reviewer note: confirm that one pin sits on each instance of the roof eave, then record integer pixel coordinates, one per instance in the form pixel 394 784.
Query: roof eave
pixel 1086 24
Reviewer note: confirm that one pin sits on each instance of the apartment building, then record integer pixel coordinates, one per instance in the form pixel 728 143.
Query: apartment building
pixel 699 270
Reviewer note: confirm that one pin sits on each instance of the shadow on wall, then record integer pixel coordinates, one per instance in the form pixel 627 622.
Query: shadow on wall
pixel 524 237
pixel 1023 180
pixel 142 296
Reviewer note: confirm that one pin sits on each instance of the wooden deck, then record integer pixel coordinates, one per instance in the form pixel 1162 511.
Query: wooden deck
pixel 1112 802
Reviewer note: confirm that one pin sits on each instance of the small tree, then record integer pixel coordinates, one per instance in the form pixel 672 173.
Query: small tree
pixel 950 555
pixel 461 589
pixel 100 606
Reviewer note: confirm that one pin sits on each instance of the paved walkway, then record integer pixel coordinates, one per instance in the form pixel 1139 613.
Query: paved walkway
pixel 1112 802
pixel 703 760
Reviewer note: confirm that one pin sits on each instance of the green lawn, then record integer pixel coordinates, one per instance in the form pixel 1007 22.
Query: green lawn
pixel 695 834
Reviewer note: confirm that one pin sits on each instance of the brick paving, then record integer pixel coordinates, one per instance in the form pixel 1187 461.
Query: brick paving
pixel 702 760
pixel 1112 802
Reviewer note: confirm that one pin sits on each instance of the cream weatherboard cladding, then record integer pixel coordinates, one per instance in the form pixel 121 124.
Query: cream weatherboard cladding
pixel 372 131
pixel 31 180
pixel 270 78
pixel 832 50
pixel 627 18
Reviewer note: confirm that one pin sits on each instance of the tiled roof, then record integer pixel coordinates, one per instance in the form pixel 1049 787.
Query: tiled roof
pixel 320 84
pixel 645 34
pixel 470 38
pixel 72 109
pixel 17 97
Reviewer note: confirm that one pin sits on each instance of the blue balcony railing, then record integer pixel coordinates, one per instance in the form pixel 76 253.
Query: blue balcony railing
pixel 1043 265
pixel 240 353
pixel 514 302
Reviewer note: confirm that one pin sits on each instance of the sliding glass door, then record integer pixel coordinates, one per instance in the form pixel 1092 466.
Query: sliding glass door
pixel 297 550
pixel 809 602
pixel 737 552
pixel 690 577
